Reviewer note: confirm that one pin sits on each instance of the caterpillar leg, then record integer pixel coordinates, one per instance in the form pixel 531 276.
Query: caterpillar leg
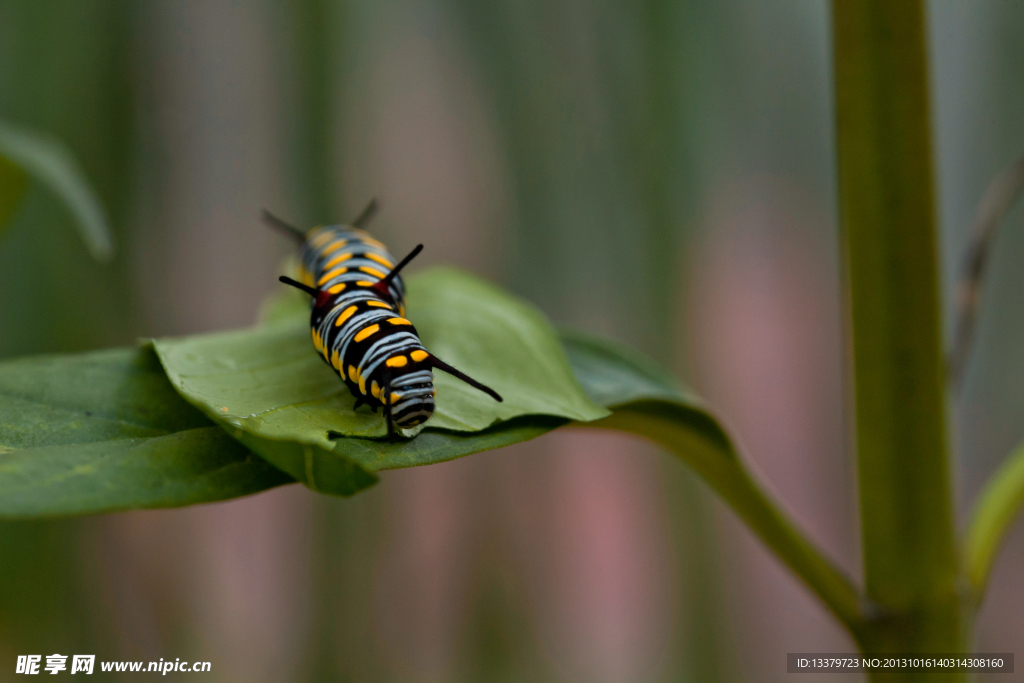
pixel 361 402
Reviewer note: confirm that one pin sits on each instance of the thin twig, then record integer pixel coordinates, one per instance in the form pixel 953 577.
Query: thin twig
pixel 998 199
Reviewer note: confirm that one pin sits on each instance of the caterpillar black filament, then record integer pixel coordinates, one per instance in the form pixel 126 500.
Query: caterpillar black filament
pixel 358 320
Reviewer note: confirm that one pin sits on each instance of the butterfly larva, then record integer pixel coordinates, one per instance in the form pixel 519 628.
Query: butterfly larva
pixel 358 322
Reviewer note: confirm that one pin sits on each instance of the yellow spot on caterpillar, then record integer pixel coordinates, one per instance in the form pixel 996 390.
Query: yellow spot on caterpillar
pixel 381 260
pixel 370 240
pixel 378 304
pixel 336 360
pixel 395 398
pixel 399 321
pixel 370 270
pixel 365 283
pixel 401 310
pixel 345 315
pixel 362 384
pixel 336 288
pixel 336 260
pixel 418 355
pixel 434 392
pixel 331 248
pixel 367 332
pixel 375 390
pixel 397 362
pixel 316 340
pixel 330 276
pixel 352 373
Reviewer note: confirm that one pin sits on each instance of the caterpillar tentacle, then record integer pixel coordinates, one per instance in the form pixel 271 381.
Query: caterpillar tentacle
pixel 284 227
pixel 367 214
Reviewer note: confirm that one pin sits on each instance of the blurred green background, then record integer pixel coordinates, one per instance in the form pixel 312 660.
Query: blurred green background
pixel 660 172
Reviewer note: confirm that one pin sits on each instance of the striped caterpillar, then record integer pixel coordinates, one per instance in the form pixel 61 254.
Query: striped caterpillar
pixel 358 320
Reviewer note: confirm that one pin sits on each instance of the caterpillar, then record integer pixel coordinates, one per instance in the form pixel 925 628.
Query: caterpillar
pixel 358 323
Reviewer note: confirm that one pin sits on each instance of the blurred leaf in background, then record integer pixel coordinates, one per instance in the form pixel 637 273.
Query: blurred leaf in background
pixel 50 163
pixel 65 74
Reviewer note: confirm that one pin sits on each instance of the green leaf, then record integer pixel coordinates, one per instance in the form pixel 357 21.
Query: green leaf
pixel 646 401
pixel 500 340
pixel 280 400
pixel 53 165
pixel 105 431
pixel 269 387
pixel 994 511
pixel 614 375
pixel 346 467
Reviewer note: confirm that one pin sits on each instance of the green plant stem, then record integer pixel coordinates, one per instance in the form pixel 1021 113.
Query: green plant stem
pixel 707 450
pixel 995 509
pixel 887 218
